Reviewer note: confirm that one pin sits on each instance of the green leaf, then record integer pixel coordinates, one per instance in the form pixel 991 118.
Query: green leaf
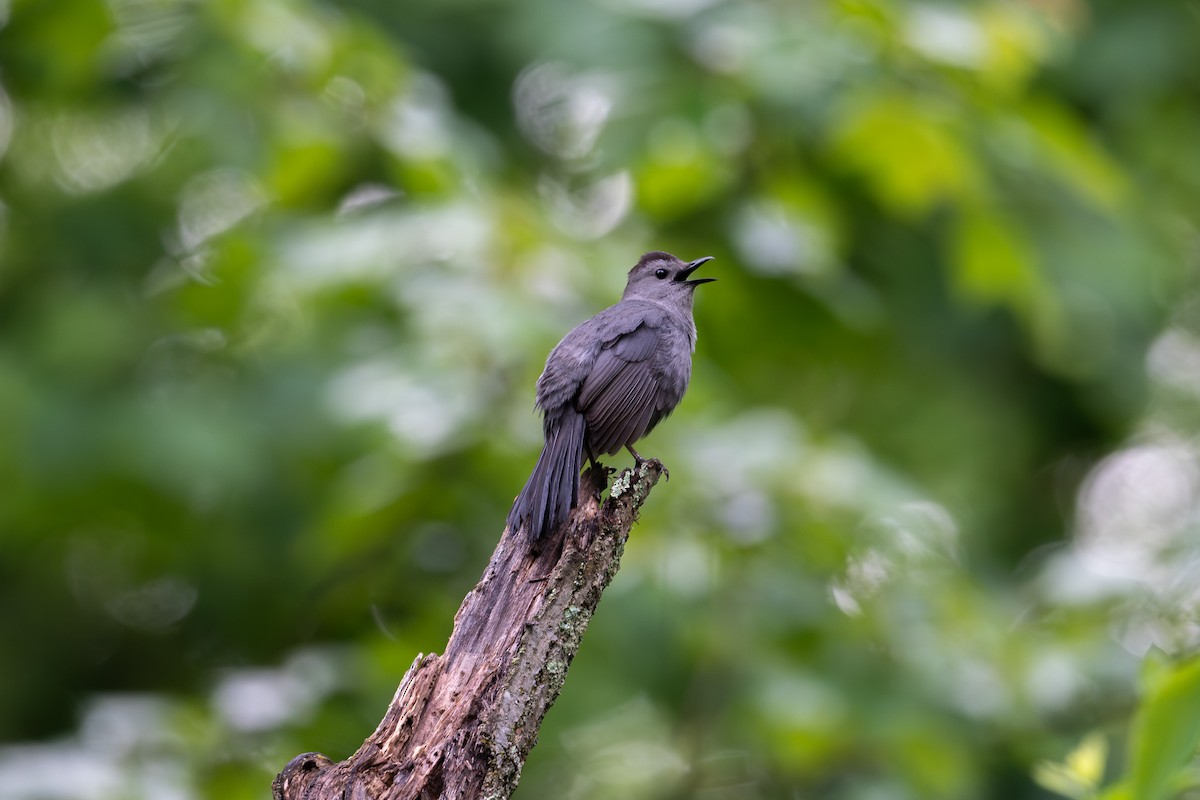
pixel 909 149
pixel 1057 778
pixel 1080 774
pixel 994 264
pixel 1118 792
pixel 1069 152
pixel 1165 732
pixel 1087 760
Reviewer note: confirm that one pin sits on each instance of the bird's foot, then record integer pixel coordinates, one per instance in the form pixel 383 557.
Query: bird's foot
pixel 663 467
pixel 639 462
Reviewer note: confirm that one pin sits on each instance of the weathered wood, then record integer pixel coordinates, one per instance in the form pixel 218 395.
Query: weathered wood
pixel 462 724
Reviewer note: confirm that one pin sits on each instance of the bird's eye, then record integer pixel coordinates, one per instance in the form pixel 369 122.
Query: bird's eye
pixel 660 273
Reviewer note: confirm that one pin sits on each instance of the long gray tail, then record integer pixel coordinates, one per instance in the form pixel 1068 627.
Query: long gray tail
pixel 553 487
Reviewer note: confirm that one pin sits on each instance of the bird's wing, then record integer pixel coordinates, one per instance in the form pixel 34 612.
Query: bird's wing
pixel 621 391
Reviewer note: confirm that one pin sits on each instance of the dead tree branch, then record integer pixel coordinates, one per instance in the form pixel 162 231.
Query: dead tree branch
pixel 462 724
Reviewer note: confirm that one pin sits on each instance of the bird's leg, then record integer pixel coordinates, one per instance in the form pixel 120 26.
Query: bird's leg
pixel 597 467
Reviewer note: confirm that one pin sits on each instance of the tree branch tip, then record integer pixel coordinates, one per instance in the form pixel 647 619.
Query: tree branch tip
pixel 304 767
pixel 639 480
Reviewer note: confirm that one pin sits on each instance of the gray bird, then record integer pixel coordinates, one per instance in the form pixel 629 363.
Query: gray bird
pixel 608 383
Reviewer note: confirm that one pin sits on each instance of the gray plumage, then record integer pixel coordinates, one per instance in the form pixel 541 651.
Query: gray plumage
pixel 608 383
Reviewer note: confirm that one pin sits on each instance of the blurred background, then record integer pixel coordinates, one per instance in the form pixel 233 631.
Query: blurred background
pixel 277 278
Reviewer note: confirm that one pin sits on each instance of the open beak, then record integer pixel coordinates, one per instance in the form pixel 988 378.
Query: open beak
pixel 692 267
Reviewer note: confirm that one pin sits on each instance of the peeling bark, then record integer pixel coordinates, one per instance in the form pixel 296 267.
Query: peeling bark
pixel 462 724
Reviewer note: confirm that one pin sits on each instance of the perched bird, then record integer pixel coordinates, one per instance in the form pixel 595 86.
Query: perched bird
pixel 608 383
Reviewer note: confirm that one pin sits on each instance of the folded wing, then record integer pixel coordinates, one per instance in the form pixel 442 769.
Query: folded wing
pixel 620 396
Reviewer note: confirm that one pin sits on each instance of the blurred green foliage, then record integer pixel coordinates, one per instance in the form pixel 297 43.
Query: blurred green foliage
pixel 277 278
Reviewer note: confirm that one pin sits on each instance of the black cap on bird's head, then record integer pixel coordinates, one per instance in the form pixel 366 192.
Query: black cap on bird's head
pixel 662 274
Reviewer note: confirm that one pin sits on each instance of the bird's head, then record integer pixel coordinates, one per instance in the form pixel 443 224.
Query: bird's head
pixel 662 276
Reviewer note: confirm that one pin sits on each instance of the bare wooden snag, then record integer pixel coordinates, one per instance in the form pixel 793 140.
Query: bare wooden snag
pixel 462 724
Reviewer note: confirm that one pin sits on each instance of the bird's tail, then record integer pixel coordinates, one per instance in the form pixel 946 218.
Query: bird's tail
pixel 553 487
